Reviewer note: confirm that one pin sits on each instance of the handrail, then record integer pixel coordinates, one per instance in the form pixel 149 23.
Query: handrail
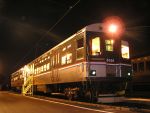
pixel 27 87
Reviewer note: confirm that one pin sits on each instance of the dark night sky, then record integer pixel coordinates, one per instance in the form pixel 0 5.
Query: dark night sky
pixel 23 23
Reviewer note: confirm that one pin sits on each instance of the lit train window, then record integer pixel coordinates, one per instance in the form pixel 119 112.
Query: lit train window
pixel 47 66
pixel 109 45
pixel 34 71
pixel 69 46
pixel 42 68
pixel 51 61
pixel 63 60
pixel 69 58
pixel 37 71
pixel 80 53
pixel 96 46
pixel 58 58
pixel 64 49
pixel 125 49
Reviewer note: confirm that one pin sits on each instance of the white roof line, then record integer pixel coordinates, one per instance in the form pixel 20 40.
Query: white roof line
pixel 92 27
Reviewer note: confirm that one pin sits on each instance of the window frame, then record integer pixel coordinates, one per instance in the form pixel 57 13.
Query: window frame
pixel 99 49
pixel 125 44
pixel 109 47
pixel 80 49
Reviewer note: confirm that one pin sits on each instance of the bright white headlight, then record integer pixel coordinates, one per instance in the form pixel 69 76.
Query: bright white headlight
pixel 129 74
pixel 93 72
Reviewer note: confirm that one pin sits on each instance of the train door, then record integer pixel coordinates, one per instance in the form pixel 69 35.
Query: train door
pixel 95 58
pixel 55 76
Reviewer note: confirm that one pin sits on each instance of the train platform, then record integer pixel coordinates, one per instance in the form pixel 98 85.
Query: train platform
pixel 140 105
pixel 144 101
pixel 137 105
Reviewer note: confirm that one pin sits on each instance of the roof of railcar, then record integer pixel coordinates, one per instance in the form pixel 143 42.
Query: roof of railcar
pixel 97 27
pixel 92 27
pixel 139 59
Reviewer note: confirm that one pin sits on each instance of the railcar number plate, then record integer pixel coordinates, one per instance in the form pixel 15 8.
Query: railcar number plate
pixel 110 60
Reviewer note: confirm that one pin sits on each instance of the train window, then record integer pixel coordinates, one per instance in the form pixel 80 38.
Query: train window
pixel 80 49
pixel 69 58
pixel 134 65
pixel 42 68
pixel 141 66
pixel 63 60
pixel 80 43
pixel 69 46
pixel 64 49
pixel 58 58
pixel 53 61
pixel 125 49
pixel 37 71
pixel 109 45
pixel 96 46
pixel 47 66
pixel 147 65
pixel 80 53
pixel 34 71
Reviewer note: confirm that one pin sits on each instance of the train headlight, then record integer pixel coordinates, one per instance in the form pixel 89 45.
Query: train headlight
pixel 129 74
pixel 93 72
pixel 113 26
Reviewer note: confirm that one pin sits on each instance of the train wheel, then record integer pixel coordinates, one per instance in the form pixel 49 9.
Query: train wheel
pixel 68 93
pixel 88 96
pixel 71 94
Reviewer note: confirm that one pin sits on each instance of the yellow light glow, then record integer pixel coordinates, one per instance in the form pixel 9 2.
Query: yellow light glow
pixel 112 41
pixel 26 69
pixel 109 45
pixel 113 28
pixel 95 46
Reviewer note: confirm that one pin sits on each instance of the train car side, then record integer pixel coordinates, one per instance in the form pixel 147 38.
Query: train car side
pixel 88 64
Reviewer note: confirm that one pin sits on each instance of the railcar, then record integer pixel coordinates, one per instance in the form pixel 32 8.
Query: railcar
pixel 88 64
pixel 140 84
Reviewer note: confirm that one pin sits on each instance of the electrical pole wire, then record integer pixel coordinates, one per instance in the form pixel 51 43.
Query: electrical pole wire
pixel 50 29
